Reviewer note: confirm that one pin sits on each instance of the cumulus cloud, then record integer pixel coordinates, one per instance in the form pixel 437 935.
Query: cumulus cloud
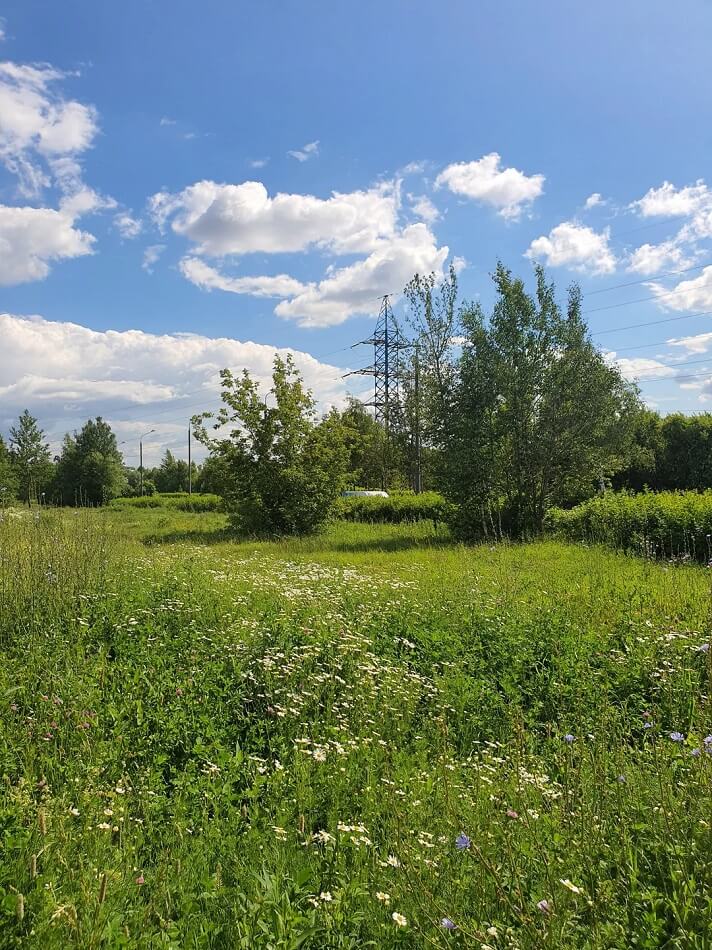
pixel 639 367
pixel 303 154
pixel 693 294
pixel 669 201
pixel 241 219
pixel 355 289
pixel 32 238
pixel 651 258
pixel 201 274
pixel 593 200
pixel 574 245
pixel 258 162
pixel 508 190
pixel 39 126
pixel 65 373
pixel 698 343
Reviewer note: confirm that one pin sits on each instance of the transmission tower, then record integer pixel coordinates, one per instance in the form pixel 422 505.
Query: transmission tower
pixel 386 368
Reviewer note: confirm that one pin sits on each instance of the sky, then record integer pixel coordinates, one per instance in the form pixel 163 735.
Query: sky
pixel 190 186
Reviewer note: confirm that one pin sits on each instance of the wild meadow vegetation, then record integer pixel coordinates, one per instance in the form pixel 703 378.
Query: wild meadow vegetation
pixel 369 737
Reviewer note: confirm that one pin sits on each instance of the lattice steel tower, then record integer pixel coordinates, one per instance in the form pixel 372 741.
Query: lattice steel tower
pixel 386 369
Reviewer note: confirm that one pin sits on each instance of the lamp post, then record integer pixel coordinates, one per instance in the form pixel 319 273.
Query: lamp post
pixel 140 456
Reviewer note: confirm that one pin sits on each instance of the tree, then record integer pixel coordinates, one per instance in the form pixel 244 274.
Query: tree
pixel 8 479
pixel 172 474
pixel 284 470
pixel 90 468
pixel 31 458
pixel 540 418
pixel 364 442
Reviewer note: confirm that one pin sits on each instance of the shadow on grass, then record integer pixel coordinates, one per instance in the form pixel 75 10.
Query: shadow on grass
pixel 390 545
pixel 194 536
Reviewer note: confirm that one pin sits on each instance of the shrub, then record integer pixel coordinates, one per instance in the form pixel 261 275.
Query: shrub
pixel 664 524
pixel 396 509
pixel 176 501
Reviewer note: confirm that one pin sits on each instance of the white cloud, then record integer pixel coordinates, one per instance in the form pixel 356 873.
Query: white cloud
pixel 202 275
pixel 303 154
pixel 166 121
pixel 699 343
pixel 639 367
pixel 242 219
pixel 355 289
pixel 651 258
pixel 128 226
pixel 668 201
pixel 694 294
pixel 424 208
pixel 2 29
pixel 151 255
pixel 593 200
pixel 258 162
pixel 39 127
pixel 65 373
pixel 508 190
pixel 574 245
pixel 459 263
pixel 413 168
pixel 32 238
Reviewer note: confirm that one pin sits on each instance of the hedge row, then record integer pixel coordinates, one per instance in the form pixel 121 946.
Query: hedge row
pixel 176 501
pixel 663 524
pixel 396 509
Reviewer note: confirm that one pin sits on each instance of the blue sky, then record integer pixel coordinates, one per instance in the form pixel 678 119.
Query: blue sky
pixel 379 138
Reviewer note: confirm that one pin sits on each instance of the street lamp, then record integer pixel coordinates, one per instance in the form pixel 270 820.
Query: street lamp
pixel 140 456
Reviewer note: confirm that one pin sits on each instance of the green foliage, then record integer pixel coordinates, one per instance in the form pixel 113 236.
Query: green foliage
pixel 399 507
pixel 8 476
pixel 174 501
pixel 664 524
pixel 671 453
pixel 364 441
pixel 278 745
pixel 283 469
pixel 539 417
pixel 172 474
pixel 90 469
pixel 31 459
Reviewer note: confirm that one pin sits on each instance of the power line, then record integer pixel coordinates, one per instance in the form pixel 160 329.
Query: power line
pixel 644 280
pixel 652 323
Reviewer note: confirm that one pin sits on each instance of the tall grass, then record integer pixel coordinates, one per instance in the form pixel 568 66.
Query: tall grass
pixel 363 739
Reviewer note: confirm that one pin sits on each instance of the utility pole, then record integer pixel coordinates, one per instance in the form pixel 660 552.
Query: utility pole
pixel 418 479
pixel 140 456
pixel 190 471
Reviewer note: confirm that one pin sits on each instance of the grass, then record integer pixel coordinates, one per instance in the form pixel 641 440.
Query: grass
pixel 343 741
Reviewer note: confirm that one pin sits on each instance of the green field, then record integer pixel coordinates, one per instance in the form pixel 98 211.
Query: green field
pixel 370 738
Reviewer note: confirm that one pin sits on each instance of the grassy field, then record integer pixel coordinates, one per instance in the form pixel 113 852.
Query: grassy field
pixel 370 738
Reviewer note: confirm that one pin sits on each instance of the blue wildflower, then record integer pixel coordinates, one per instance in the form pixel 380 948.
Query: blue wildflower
pixel 676 736
pixel 568 738
pixel 448 924
pixel 462 842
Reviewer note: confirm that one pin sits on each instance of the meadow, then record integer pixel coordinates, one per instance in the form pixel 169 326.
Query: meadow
pixel 373 737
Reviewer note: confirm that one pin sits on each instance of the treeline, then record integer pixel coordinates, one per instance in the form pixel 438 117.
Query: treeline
pixel 89 470
pixel 507 414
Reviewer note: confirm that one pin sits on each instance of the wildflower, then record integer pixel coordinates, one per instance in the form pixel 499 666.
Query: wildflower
pixel 463 841
pixel 568 738
pixel 492 931
pixel 695 752
pixel 74 811
pixel 511 813
pixel 705 648
pixel 393 861
pixel 708 743
pixel 448 924
pixel 647 725
pixel 326 896
pixel 622 779
pixel 676 736
pixel 399 919
pixel 104 826
pixel 570 886
pixel 383 897
pixel 140 879
pixel 543 906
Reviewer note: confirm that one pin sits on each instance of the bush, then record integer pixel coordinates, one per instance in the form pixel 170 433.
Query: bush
pixel 396 509
pixel 176 501
pixel 663 524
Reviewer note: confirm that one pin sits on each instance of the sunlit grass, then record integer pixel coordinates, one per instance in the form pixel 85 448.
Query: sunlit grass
pixel 364 738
